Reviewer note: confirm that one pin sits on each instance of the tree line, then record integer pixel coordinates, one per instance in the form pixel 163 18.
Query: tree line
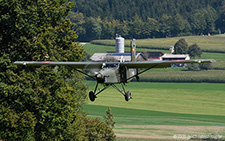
pixel 147 18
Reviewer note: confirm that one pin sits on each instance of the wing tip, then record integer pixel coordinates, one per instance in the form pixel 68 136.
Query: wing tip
pixel 212 61
pixel 19 63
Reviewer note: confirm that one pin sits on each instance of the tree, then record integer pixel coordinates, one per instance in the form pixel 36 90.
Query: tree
pixel 122 29
pixel 136 27
pixel 93 29
pixel 151 29
pixel 108 29
pixel 108 118
pixel 205 66
pixel 181 47
pixel 210 18
pixel 179 25
pixel 220 23
pixel 165 25
pixel 39 103
pixel 197 22
pixel 98 130
pixel 79 24
pixel 194 51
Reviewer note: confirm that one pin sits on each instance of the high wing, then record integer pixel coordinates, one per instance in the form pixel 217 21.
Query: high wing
pixel 163 64
pixel 98 65
pixel 80 65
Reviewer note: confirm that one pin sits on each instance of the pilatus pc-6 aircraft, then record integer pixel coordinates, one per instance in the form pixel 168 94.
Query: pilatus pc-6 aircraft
pixel 111 73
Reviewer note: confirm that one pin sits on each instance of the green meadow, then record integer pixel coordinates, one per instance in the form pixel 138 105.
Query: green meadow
pixel 188 98
pixel 168 104
pixel 161 110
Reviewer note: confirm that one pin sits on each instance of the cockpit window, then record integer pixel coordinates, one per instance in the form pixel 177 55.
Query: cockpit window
pixel 110 65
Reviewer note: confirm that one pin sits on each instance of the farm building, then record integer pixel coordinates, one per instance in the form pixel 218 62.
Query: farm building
pixel 175 56
pixel 121 56
pixel 115 57
pixel 140 56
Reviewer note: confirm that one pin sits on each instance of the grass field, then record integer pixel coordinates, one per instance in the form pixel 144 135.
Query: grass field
pixel 175 75
pixel 163 109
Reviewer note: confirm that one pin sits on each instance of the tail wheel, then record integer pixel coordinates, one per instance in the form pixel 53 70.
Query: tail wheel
pixel 92 96
pixel 128 96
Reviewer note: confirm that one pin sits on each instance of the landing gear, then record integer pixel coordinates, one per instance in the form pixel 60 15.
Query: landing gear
pixel 93 95
pixel 127 96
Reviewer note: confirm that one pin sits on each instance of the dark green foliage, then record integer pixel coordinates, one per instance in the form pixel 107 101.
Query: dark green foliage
pixel 89 129
pixel 181 47
pixel 192 67
pixel 206 66
pixel 194 51
pixel 98 130
pixel 125 9
pixel 203 20
pixel 147 18
pixel 93 29
pixel 109 118
pixel 41 103
pixel 221 21
pixel 203 66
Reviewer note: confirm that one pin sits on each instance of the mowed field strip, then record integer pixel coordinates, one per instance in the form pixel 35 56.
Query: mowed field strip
pixel 161 110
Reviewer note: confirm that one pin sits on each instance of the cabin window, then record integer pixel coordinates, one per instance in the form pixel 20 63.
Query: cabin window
pixel 110 65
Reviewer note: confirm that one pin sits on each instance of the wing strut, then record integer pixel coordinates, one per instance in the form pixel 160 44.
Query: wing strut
pixel 86 74
pixel 136 75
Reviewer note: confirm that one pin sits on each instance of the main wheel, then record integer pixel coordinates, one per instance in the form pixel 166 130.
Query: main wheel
pixel 128 96
pixel 92 96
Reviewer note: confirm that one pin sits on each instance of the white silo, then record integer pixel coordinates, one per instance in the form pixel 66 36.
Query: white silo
pixel 119 44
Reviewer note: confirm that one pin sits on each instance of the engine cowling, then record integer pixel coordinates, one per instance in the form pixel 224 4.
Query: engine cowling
pixel 100 78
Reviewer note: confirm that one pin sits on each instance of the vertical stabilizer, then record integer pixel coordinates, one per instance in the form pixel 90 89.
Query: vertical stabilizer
pixel 133 59
pixel 133 50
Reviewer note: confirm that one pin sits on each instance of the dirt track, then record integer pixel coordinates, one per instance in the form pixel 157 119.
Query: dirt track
pixel 168 132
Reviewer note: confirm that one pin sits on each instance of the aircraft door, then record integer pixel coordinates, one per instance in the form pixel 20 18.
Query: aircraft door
pixel 123 74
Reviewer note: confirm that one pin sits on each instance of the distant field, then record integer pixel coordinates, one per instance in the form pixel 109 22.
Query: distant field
pixel 170 74
pixel 207 43
pixel 163 109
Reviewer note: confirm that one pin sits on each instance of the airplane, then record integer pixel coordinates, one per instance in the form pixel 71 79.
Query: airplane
pixel 111 73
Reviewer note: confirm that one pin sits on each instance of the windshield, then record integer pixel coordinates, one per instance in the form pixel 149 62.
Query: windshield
pixel 110 65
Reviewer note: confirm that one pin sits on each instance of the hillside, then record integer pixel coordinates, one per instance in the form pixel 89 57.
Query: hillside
pixel 140 19
pixel 125 9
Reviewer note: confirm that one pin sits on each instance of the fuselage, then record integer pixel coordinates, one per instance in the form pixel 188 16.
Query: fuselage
pixel 113 73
